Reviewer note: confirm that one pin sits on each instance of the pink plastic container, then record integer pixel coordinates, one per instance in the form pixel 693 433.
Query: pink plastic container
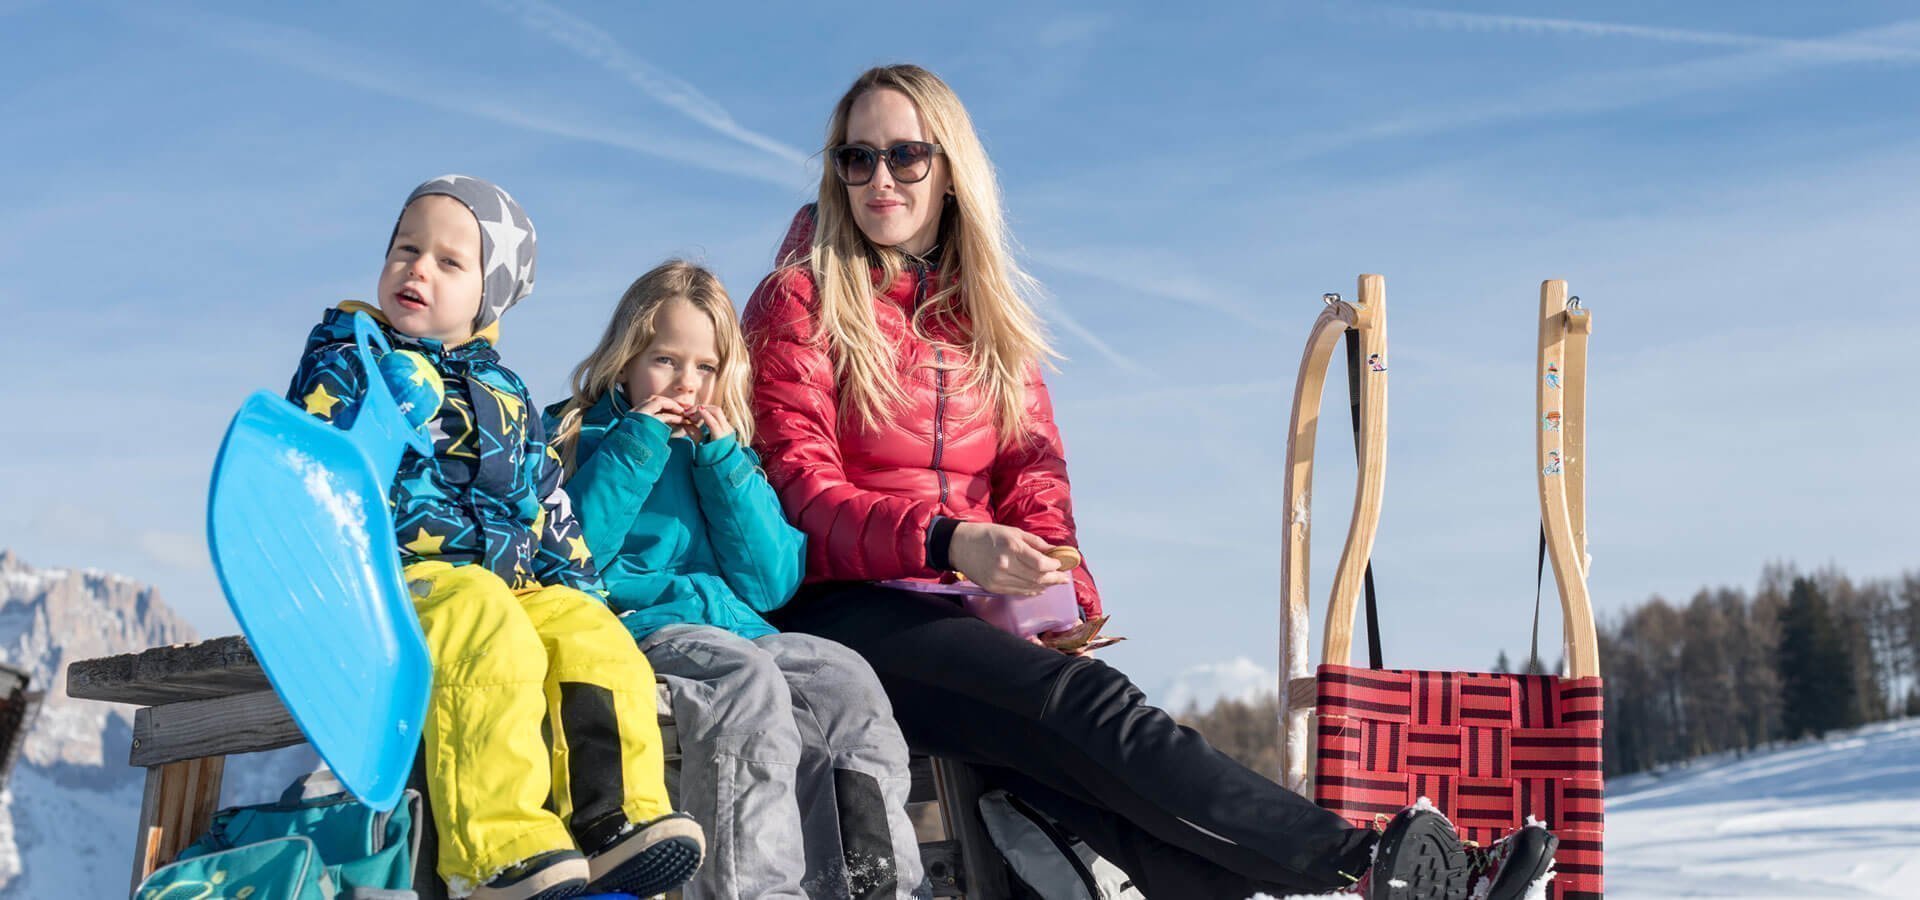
pixel 1053 609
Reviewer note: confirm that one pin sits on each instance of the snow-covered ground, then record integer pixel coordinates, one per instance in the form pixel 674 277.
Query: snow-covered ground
pixel 1834 818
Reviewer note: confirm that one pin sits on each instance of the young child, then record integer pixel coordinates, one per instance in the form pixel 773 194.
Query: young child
pixel 788 746
pixel 543 756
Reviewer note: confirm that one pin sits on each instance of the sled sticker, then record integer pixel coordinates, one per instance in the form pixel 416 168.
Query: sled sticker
pixel 1375 363
pixel 1553 463
pixel 1550 422
pixel 1553 375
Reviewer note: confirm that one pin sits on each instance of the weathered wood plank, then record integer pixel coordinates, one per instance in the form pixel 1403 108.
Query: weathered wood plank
pixel 176 808
pixel 219 667
pixel 244 723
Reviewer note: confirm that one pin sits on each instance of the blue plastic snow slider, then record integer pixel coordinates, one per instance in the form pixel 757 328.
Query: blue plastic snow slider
pixel 302 539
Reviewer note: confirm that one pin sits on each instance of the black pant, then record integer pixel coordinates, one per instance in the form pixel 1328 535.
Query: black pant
pixel 1075 738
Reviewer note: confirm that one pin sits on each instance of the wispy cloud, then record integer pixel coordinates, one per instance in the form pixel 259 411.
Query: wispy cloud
pixel 1189 395
pixel 308 53
pixel 1612 91
pixel 1839 51
pixel 1052 310
pixel 1123 268
pixel 594 44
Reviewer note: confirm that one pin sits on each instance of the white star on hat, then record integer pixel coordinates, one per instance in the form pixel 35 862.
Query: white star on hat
pixel 507 238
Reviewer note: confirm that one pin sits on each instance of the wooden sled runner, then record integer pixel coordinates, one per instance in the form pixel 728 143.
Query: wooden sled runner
pixel 1490 750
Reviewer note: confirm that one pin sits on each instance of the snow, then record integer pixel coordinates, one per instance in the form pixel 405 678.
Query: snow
pixel 29 583
pixel 342 503
pixel 1835 818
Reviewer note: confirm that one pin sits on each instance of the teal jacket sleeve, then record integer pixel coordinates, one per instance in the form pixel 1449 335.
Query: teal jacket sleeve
pixel 612 483
pixel 761 556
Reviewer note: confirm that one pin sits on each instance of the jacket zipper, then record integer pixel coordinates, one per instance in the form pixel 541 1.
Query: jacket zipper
pixel 940 391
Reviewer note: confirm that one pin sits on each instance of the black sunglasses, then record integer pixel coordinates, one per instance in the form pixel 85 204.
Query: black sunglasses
pixel 909 161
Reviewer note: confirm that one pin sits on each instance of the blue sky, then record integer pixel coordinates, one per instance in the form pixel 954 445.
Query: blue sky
pixel 1733 188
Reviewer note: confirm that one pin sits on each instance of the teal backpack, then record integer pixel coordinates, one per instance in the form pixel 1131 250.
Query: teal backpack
pixel 316 843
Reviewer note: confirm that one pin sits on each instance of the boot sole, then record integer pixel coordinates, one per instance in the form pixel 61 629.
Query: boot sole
pixel 1514 885
pixel 1423 862
pixel 657 869
pixel 557 888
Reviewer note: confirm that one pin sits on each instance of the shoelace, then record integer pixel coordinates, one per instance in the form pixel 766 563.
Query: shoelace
pixel 1484 862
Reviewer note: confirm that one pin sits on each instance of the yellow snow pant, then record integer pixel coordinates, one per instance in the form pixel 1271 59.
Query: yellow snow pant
pixel 541 731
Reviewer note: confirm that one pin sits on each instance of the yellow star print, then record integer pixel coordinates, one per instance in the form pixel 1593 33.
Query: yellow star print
pixel 510 407
pixel 579 552
pixel 320 403
pixel 424 544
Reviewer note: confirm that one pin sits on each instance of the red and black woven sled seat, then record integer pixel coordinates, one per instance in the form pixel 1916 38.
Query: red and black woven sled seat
pixel 1489 750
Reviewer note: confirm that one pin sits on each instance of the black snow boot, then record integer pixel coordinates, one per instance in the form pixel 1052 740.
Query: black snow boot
pixel 1418 857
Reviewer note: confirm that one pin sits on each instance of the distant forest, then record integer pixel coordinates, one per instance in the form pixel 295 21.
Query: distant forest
pixel 1803 654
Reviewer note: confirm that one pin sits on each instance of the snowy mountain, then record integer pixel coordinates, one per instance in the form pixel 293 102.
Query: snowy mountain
pixel 1833 818
pixel 68 814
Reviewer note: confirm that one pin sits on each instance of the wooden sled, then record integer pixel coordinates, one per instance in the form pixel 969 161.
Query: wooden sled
pixel 1489 749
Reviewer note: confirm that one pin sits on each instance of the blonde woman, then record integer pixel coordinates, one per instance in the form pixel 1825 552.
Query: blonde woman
pixel 901 410
pixel 789 753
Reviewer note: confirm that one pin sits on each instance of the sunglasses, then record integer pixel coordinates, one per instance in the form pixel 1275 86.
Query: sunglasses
pixel 909 161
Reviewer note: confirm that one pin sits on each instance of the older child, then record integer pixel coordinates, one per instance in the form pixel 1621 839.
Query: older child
pixel 788 747
pixel 543 754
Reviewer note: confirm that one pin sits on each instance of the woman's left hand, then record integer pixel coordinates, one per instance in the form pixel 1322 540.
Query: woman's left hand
pixel 710 416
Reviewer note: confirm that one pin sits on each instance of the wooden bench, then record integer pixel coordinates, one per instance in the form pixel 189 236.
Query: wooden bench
pixel 201 702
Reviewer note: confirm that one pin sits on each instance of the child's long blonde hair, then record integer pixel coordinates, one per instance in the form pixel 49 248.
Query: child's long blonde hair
pixel 632 329
pixel 978 282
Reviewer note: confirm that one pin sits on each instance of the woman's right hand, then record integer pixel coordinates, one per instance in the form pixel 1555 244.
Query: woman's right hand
pixel 669 411
pixel 1004 559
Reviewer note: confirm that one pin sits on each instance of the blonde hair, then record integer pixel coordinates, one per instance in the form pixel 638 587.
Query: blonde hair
pixel 632 329
pixel 978 284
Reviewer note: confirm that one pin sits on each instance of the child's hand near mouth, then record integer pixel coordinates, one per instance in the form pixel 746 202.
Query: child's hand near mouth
pixel 671 413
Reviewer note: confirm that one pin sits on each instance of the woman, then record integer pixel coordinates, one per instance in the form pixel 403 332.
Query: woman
pixel 904 422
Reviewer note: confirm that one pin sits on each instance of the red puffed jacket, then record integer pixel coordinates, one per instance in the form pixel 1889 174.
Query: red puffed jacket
pixel 866 499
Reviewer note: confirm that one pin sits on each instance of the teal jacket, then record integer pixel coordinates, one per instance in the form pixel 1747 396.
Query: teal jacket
pixel 683 532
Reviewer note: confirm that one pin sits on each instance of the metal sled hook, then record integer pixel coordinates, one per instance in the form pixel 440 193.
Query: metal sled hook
pixel 1573 302
pixel 1329 298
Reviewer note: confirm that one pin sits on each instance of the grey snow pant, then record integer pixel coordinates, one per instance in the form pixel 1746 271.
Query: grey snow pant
pixel 790 758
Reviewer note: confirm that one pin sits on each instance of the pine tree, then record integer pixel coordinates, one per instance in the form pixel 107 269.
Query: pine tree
pixel 1817 679
pixel 1501 665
